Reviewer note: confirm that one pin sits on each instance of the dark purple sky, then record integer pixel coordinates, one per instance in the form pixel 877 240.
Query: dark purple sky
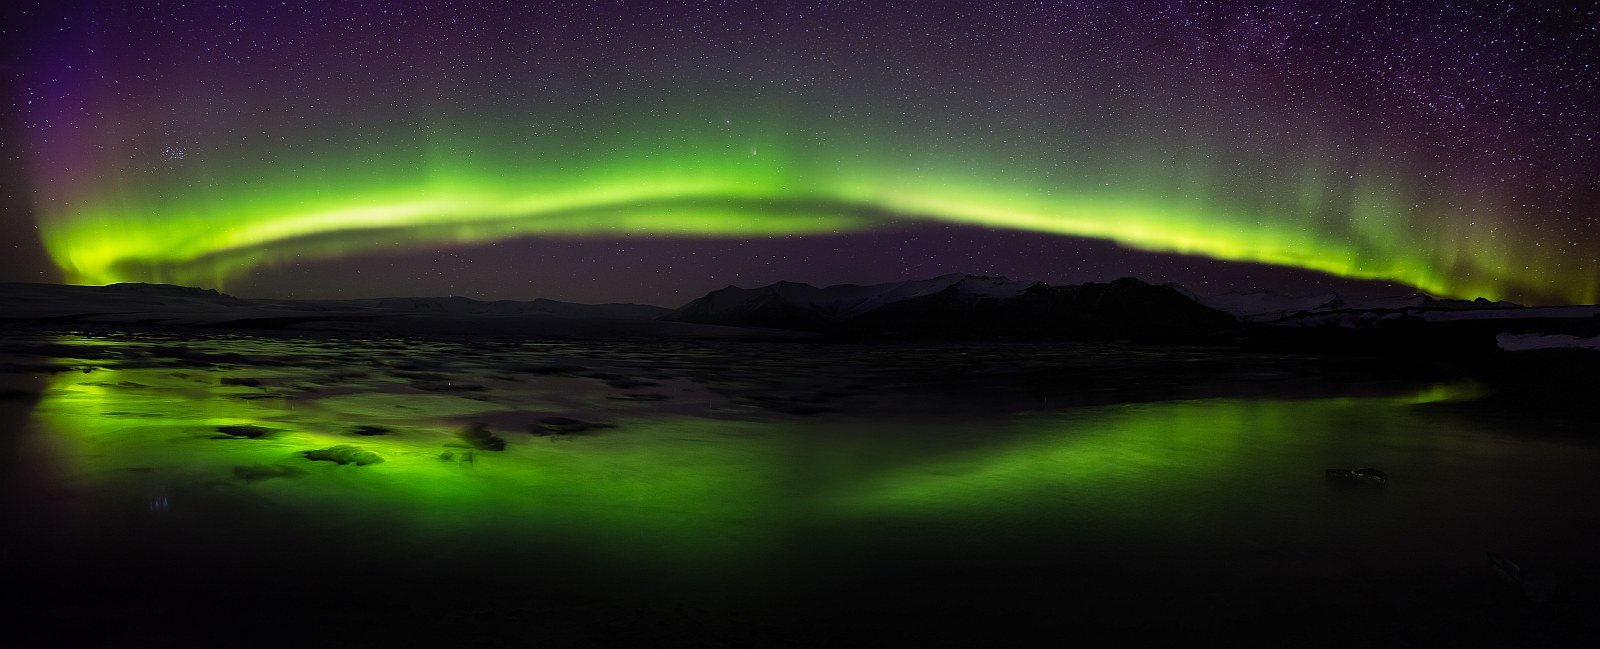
pixel 1448 144
pixel 671 272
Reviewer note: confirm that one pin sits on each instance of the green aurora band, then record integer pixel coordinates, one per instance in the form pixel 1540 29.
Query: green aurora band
pixel 201 155
pixel 232 208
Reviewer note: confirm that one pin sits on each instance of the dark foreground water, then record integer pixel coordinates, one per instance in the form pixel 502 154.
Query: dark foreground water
pixel 771 494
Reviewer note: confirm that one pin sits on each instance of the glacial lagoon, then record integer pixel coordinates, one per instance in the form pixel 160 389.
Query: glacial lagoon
pixel 756 494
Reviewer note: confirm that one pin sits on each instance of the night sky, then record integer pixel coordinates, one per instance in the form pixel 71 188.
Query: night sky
pixel 652 151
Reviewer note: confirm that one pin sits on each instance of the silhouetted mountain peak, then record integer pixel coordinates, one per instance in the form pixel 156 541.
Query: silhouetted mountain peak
pixel 164 290
pixel 959 305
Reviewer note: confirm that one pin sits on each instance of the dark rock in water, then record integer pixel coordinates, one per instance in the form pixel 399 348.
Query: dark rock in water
pixel 449 387
pixel 639 396
pixel 245 431
pixel 801 409
pixel 266 471
pixel 1535 589
pixel 549 369
pixel 421 376
pixel 626 383
pixel 1356 476
pixel 479 437
pixel 564 425
pixel 792 405
pixel 344 454
pixel 246 382
pixel 1507 570
pixel 371 430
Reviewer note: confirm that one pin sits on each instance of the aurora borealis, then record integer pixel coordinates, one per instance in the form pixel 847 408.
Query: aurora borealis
pixel 1450 148
pixel 799 323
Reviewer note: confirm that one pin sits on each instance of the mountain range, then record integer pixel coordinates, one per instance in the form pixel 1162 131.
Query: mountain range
pixel 1276 308
pixel 948 306
pixel 964 306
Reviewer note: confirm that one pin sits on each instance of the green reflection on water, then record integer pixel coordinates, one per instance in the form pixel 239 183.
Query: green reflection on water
pixel 686 488
pixel 693 493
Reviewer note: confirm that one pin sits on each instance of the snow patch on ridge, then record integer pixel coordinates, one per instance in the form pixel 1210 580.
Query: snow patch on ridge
pixel 1525 342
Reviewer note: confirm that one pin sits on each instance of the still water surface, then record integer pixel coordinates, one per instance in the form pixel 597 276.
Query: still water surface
pixel 769 494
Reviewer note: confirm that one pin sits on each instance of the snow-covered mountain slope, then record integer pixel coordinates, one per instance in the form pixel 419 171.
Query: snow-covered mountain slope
pixel 1331 309
pixel 1266 305
pixel 1419 320
pixel 1525 342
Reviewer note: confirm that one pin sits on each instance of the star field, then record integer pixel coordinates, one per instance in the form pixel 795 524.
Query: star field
pixel 651 150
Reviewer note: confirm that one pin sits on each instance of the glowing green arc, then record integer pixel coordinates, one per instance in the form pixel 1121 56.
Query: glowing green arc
pixel 92 255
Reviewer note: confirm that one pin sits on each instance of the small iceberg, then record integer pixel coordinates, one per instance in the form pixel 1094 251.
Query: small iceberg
pixel 1364 476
